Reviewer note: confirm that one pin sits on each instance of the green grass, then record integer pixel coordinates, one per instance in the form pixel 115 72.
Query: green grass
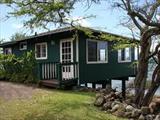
pixel 53 105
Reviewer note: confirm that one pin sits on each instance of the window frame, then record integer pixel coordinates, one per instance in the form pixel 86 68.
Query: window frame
pixel 96 62
pixel 7 49
pixel 41 58
pixel 21 44
pixel 125 61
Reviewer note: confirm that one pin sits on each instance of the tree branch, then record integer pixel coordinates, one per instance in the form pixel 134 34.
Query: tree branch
pixel 155 52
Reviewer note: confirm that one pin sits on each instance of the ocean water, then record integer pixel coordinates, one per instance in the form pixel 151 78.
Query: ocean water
pixel 118 85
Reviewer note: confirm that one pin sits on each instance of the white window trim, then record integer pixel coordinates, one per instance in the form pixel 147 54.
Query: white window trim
pixel 125 61
pixel 41 58
pixel 95 62
pixel 20 46
pixel 7 49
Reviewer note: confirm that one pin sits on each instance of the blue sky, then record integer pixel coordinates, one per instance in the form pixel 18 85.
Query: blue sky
pixel 106 19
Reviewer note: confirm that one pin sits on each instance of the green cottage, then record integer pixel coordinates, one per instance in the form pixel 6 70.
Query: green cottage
pixel 68 57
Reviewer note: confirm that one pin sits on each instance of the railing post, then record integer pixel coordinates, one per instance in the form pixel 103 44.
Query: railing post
pixel 38 70
pixel 60 73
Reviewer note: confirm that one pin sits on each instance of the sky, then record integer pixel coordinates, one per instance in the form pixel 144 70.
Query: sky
pixel 106 19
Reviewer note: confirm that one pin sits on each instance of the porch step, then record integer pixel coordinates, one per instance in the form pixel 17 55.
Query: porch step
pixel 50 83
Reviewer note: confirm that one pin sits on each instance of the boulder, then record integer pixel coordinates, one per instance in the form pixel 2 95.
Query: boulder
pixel 128 114
pixel 149 117
pixel 129 108
pixel 145 110
pixel 107 105
pixel 98 95
pixel 152 107
pixel 99 101
pixel 128 101
pixel 114 103
pixel 103 91
pixel 141 117
pixel 120 112
pixel 113 94
pixel 115 108
pixel 136 113
pixel 157 117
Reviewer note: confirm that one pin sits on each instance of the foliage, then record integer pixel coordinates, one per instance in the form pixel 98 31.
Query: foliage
pixel 18 69
pixel 120 41
pixel 54 105
pixel 18 36
pixel 41 12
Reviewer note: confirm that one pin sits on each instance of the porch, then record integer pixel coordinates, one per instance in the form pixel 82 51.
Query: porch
pixel 58 75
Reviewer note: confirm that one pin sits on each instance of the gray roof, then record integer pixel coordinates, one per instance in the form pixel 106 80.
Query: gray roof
pixel 61 30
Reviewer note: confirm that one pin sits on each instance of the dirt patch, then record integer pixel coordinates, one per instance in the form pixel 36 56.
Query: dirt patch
pixel 9 91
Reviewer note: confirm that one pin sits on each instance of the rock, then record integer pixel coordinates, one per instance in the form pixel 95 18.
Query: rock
pixel 114 103
pixel 128 114
pixel 103 91
pixel 128 101
pixel 112 99
pixel 118 93
pixel 107 105
pixel 141 117
pixel 83 89
pixel 157 117
pixel 99 101
pixel 149 117
pixel 113 94
pixel 155 105
pixel 115 108
pixel 145 110
pixel 107 97
pixel 136 113
pixel 98 95
pixel 152 107
pixel 129 108
pixel 98 89
pixel 120 112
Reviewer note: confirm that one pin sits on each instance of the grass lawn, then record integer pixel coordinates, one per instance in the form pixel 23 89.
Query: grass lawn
pixel 53 105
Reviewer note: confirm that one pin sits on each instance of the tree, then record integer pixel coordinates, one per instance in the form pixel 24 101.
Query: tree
pixel 142 13
pixel 41 12
pixel 18 36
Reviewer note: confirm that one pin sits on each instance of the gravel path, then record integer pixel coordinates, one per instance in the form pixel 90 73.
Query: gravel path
pixel 9 91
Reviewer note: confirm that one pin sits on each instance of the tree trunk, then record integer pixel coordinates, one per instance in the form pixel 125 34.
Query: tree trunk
pixel 141 77
pixel 140 82
pixel 155 84
pixel 149 95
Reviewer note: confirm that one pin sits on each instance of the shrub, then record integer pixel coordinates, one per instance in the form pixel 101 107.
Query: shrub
pixel 18 69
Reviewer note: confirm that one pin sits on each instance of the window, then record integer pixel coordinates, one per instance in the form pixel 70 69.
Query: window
pixel 124 55
pixel 23 45
pixel 135 53
pixel 66 53
pixel 41 51
pixel 7 51
pixel 97 51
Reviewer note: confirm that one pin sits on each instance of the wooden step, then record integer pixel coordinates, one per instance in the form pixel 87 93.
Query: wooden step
pixel 50 83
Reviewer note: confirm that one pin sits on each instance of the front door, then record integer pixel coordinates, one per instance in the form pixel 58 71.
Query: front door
pixel 66 56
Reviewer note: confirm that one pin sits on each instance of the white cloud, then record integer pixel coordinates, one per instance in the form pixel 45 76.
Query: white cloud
pixel 17 26
pixel 78 20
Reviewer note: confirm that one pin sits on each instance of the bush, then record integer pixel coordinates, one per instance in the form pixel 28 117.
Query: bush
pixel 18 69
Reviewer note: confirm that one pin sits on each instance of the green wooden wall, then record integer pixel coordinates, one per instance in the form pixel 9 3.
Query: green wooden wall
pixel 101 72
